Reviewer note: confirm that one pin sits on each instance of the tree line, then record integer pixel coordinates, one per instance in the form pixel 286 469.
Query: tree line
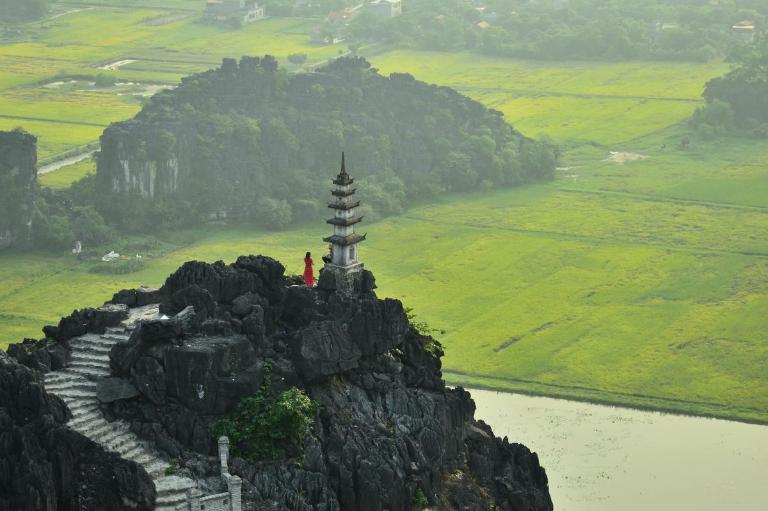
pixel 738 101
pixel 611 30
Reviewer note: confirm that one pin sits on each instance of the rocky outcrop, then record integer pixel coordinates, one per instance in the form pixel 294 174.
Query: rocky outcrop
pixel 387 429
pixel 45 466
pixel 87 320
pixel 18 180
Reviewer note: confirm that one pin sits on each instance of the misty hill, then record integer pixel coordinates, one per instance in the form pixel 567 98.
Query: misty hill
pixel 249 141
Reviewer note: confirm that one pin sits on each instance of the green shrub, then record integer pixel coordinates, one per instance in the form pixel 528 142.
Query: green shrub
pixel 268 427
pixel 419 499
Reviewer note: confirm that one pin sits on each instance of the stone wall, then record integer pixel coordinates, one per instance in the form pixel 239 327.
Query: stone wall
pixel 18 177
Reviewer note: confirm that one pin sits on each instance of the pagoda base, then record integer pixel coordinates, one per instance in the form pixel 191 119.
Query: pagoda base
pixel 346 280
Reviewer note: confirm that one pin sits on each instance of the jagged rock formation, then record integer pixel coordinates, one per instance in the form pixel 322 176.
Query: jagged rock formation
pixel 249 140
pixel 18 178
pixel 387 430
pixel 387 426
pixel 46 466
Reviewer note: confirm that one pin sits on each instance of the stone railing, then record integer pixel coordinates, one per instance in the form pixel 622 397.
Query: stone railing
pixel 231 500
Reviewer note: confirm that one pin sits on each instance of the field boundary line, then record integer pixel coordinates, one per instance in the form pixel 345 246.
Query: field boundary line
pixel 57 121
pixel 591 239
pixel 530 93
pixel 603 397
pixel 661 198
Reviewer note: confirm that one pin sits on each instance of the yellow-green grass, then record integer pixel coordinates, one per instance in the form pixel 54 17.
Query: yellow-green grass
pixel 583 119
pixel 605 103
pixel 65 176
pixel 672 80
pixel 87 107
pixel 54 137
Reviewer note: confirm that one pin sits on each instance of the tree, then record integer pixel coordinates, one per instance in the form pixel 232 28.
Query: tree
pixel 297 59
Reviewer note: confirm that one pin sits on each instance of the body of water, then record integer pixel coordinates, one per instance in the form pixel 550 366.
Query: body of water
pixel 603 458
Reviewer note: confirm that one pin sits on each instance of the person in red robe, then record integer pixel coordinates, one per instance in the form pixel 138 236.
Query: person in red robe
pixel 309 274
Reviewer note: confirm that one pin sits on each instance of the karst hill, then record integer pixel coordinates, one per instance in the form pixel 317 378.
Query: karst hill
pixel 331 401
pixel 250 141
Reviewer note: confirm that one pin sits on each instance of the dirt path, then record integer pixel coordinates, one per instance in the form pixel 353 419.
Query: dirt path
pixel 51 167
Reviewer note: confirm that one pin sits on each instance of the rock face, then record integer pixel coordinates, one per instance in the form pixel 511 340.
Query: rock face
pixel 387 430
pixel 45 466
pixel 18 177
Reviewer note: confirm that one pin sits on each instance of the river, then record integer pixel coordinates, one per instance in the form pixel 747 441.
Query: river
pixel 603 458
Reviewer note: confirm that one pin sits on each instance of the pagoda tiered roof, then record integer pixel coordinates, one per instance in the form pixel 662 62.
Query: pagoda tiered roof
pixel 343 193
pixel 344 222
pixel 345 241
pixel 344 206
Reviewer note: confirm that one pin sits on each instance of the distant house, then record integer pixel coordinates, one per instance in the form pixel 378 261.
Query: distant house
pixel 482 25
pixel 234 11
pixel 334 28
pixel 744 32
pixel 386 8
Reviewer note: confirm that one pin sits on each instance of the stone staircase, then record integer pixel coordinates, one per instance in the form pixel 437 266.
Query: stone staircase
pixel 76 386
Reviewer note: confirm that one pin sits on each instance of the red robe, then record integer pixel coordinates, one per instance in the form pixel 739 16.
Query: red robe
pixel 309 275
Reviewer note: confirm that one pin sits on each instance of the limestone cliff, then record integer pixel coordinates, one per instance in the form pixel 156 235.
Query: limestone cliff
pixel 18 178
pixel 45 466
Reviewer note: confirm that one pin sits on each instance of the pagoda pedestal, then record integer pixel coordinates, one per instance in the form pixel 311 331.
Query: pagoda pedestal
pixel 347 280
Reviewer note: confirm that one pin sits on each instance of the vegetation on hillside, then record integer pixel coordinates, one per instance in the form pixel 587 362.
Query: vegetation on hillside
pixel 261 145
pixel 268 426
pixel 562 29
pixel 739 100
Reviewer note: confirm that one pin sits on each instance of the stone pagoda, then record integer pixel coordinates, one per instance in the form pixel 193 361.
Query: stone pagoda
pixel 342 261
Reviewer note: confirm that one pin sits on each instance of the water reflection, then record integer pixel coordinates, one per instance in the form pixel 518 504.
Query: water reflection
pixel 601 458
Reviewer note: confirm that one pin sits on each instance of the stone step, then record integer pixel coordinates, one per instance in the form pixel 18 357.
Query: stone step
pixel 115 330
pixel 142 457
pixel 100 431
pixel 88 364
pixel 91 356
pixel 115 338
pixel 61 377
pixel 91 372
pixel 84 422
pixel 79 407
pixel 171 500
pixel 82 384
pixel 119 437
pixel 70 394
pixel 93 346
pixel 96 339
pixel 156 469
pixel 134 452
pixel 125 445
pixel 169 485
